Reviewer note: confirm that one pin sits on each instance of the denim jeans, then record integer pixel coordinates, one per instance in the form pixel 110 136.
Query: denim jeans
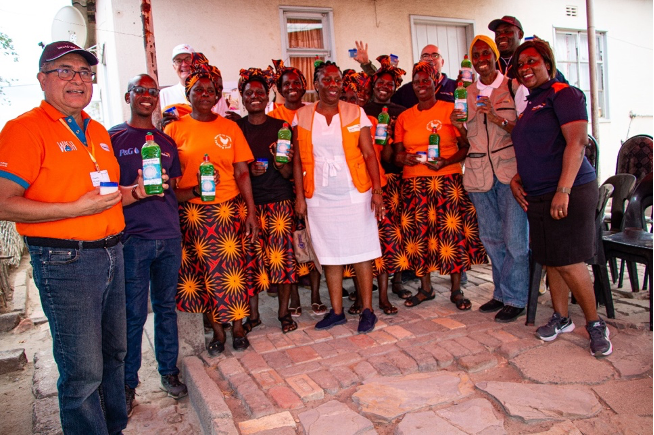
pixel 504 231
pixel 152 264
pixel 83 295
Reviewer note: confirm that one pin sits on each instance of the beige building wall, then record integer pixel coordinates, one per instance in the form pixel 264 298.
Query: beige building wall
pixel 236 35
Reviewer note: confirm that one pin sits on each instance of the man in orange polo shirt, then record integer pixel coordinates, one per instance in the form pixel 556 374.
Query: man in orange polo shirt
pixel 52 162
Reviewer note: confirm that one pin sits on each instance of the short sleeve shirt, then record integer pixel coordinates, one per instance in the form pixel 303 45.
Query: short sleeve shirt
pixel 538 138
pixel 281 112
pixel 413 128
pixel 270 186
pixel 222 140
pixel 152 218
pixel 43 155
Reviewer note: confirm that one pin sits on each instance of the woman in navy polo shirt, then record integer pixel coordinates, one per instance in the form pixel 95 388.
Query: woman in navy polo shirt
pixel 557 188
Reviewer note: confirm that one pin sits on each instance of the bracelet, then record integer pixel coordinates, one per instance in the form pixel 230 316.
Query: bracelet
pixel 195 192
pixel 377 192
pixel 561 189
pixel 134 194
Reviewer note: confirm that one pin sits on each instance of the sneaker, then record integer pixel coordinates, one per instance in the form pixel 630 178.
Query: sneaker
pixel 491 306
pixel 555 326
pixel 367 321
pixel 508 314
pixel 130 393
pixel 172 385
pixel 330 320
pixel 600 345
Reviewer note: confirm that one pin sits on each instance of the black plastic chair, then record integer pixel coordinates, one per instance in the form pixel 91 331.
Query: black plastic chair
pixel 623 185
pixel 635 156
pixel 592 153
pixel 634 243
pixel 601 284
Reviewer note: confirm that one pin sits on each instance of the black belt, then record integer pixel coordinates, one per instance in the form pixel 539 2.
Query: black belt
pixel 74 244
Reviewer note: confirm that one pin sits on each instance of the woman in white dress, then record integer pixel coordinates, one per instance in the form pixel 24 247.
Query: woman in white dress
pixel 338 190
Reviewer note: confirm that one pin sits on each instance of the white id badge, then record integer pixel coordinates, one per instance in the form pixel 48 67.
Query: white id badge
pixel 99 176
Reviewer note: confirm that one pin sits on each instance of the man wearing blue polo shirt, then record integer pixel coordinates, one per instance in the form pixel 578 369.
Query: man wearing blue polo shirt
pixel 152 244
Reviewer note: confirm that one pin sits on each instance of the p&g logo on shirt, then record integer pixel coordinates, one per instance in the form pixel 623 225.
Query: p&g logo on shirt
pixel 223 141
pixel 128 152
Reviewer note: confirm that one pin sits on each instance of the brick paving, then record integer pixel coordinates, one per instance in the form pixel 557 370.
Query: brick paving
pixel 305 371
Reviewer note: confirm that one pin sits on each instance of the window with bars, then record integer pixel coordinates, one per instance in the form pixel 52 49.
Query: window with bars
pixel 571 53
pixel 307 35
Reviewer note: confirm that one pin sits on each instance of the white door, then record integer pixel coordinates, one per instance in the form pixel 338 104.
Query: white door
pixel 452 37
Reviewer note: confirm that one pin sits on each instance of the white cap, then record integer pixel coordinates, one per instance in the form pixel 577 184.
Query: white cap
pixel 182 48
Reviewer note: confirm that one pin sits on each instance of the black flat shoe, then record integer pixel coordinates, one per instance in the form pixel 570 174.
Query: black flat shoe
pixel 240 343
pixel 216 347
pixel 508 314
pixel 491 306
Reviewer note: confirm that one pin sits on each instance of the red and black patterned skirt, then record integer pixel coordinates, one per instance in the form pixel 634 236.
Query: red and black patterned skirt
pixel 439 226
pixel 214 278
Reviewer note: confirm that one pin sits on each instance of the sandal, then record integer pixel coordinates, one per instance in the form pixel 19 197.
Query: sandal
pixel 401 293
pixel 288 324
pixel 318 308
pixel 355 309
pixel 389 310
pixel 458 298
pixel 251 324
pixel 415 300
pixel 216 347
pixel 240 343
pixel 295 312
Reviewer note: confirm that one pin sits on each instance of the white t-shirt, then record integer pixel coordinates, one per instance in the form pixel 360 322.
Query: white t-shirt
pixel 176 95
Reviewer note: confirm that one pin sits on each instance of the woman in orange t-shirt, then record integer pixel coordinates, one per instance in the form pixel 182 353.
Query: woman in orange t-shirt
pixel 439 222
pixel 215 273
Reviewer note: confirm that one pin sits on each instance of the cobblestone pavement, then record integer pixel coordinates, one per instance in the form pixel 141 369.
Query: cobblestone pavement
pixel 431 369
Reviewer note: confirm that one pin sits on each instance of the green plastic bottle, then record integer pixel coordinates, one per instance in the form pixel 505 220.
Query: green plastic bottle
pixel 283 144
pixel 151 155
pixel 207 183
pixel 461 100
pixel 434 150
pixel 466 71
pixel 381 132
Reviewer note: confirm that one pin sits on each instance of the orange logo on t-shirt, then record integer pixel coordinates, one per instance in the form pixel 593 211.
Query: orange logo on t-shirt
pixel 434 123
pixel 223 141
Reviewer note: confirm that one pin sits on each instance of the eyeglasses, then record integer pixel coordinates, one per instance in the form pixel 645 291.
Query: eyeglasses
pixel 139 90
pixel 180 60
pixel 69 74
pixel 433 56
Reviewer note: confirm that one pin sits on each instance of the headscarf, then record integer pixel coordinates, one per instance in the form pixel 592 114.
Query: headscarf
pixel 388 68
pixel 487 40
pixel 280 70
pixel 356 82
pixel 200 69
pixel 266 77
pixel 425 67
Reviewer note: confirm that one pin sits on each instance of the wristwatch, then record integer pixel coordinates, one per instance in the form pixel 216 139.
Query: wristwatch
pixel 505 122
pixel 196 193
pixel 562 189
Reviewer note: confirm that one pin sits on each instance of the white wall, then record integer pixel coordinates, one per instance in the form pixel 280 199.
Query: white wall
pixel 236 35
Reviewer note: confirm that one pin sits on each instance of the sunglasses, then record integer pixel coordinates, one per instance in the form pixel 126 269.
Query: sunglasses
pixel 139 90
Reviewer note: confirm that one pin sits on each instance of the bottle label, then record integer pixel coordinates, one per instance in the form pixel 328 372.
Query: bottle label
pixel 432 152
pixel 152 172
pixel 461 104
pixel 381 132
pixel 466 74
pixel 207 185
pixel 283 147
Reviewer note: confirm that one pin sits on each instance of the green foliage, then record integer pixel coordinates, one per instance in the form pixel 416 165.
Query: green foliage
pixel 7 49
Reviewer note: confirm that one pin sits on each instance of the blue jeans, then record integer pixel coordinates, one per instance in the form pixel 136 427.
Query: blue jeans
pixel 504 231
pixel 152 264
pixel 83 295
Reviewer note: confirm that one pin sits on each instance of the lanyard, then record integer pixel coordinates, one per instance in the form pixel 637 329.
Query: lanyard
pixel 504 70
pixel 91 152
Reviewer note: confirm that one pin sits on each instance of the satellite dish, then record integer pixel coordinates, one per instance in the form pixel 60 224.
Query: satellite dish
pixel 69 25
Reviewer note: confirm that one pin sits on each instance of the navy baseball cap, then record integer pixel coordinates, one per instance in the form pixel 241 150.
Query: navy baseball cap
pixel 55 50
pixel 508 19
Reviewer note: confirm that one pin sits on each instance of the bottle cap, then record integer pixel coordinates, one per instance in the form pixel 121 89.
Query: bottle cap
pixel 149 137
pixel 460 83
pixel 206 157
pixel 465 56
pixel 285 125
pixel 385 109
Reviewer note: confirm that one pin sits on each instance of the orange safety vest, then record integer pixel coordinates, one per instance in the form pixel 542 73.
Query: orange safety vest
pixel 349 115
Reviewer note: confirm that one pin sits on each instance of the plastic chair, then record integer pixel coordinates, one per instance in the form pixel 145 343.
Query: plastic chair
pixel 635 156
pixel 623 185
pixel 592 153
pixel 601 284
pixel 634 243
